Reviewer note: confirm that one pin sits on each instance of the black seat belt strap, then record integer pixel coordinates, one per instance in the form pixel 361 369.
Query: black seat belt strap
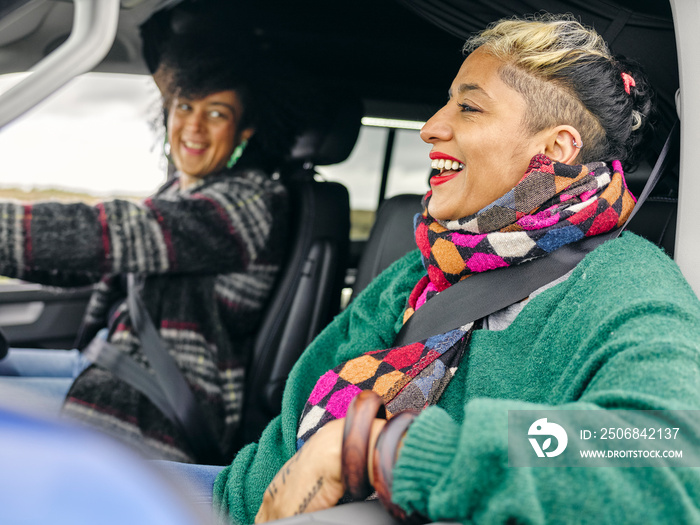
pixel 123 366
pixel 165 387
pixel 188 412
pixel 660 167
pixel 616 26
pixel 485 293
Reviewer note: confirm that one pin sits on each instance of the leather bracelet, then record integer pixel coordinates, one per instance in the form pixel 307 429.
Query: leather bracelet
pixel 384 459
pixel 362 411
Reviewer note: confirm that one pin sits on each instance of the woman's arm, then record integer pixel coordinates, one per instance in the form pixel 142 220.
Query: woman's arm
pixel 459 471
pixel 217 230
pixel 634 343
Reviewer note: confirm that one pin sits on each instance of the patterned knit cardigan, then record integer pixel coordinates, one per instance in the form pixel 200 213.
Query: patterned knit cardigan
pixel 210 255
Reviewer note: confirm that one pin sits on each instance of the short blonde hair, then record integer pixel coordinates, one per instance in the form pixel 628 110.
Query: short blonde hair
pixel 567 75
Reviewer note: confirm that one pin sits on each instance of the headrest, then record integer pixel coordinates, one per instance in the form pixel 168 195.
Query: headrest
pixel 329 140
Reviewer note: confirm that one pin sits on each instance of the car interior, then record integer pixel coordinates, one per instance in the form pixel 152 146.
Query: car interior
pixel 391 60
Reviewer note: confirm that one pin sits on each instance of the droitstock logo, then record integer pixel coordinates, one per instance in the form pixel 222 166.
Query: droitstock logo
pixel 543 428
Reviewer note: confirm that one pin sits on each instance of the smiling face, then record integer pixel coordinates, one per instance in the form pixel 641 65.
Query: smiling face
pixel 479 141
pixel 203 133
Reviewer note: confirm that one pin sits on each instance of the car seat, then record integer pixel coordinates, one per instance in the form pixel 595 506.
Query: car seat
pixel 308 292
pixel 391 238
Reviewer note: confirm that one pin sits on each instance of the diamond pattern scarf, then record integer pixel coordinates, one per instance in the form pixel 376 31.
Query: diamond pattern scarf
pixel 553 205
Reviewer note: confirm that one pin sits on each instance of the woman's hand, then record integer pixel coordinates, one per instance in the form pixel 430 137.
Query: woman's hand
pixel 311 480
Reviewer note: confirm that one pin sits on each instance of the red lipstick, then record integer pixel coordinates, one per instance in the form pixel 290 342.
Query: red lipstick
pixel 442 179
pixel 438 155
pixel 436 180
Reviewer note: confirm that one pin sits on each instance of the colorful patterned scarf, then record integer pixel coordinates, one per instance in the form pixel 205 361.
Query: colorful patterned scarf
pixel 553 205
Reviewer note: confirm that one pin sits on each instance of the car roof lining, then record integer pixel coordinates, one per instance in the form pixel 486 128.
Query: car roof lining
pixel 639 29
pixel 370 61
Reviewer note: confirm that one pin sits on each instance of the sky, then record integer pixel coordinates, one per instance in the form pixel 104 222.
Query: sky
pixel 95 135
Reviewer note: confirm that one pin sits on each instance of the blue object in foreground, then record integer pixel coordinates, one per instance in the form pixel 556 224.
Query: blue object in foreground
pixel 51 472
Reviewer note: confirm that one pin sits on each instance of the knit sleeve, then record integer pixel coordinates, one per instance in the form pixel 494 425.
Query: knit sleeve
pixel 626 339
pixel 370 322
pixel 460 472
pixel 220 229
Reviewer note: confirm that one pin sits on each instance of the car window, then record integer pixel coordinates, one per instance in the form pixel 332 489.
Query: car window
pixel 362 172
pixel 93 139
pixel 410 165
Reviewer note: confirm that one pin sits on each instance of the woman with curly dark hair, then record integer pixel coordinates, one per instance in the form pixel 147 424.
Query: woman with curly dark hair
pixel 203 253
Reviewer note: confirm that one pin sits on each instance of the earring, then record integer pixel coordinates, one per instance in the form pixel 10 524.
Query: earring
pixel 579 146
pixel 237 153
pixel 166 148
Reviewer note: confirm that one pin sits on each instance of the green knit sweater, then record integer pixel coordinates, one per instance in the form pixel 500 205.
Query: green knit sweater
pixel 623 331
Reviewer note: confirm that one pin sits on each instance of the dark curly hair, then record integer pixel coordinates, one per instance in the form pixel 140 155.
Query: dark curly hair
pixel 274 104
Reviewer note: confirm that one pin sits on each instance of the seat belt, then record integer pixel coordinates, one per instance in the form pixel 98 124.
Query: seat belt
pixel 170 392
pixel 485 293
pixel 4 345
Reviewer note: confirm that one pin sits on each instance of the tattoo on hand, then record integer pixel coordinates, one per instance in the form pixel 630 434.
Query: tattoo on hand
pixel 282 476
pixel 310 496
pixel 272 489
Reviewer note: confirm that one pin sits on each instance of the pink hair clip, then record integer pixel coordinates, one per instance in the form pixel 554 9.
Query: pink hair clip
pixel 629 81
